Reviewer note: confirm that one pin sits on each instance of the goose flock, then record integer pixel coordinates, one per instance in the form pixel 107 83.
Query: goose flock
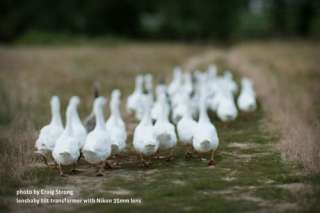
pixel 177 113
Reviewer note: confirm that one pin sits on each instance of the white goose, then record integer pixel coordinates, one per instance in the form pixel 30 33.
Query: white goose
pixel 174 86
pixel 50 133
pixel 79 130
pixel 144 141
pixel 146 97
pixel 205 137
pixel 179 99
pixel 201 82
pixel 67 150
pixel 89 121
pixel 179 107
pixel 134 99
pixel 247 97
pixel 149 88
pixel 164 131
pixel 226 108
pixel 187 86
pixel 185 129
pixel 97 148
pixel 156 109
pixel 230 84
pixel 115 125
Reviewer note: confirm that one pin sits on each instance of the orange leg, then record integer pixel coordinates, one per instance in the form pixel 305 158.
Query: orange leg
pixel 60 170
pixel 212 161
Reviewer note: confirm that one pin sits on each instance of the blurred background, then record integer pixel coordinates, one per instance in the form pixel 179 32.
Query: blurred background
pixel 185 20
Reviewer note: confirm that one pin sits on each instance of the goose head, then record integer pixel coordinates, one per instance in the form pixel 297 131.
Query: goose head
pixel 227 75
pixel 115 95
pixel 99 102
pixel 246 82
pixel 73 104
pixel 74 101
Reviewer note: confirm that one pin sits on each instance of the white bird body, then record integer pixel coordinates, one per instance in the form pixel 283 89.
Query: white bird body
pixel 247 98
pixel 67 150
pixel 144 141
pixel 205 136
pixel 164 131
pixel 97 147
pixel 50 133
pixel 187 86
pixel 185 128
pixel 180 106
pixel 226 109
pixel 229 83
pixel 178 112
pixel 115 126
pixel 133 101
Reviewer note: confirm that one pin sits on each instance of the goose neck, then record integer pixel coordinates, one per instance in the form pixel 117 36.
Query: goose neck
pixel 203 113
pixel 70 116
pixel 100 122
pixel 114 107
pixel 115 112
pixel 138 87
pixel 55 115
pixel 146 120
pixel 75 117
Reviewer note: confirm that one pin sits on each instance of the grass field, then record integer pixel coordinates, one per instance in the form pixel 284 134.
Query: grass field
pixel 267 161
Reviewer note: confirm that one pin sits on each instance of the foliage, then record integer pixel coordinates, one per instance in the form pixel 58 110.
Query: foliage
pixel 178 19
